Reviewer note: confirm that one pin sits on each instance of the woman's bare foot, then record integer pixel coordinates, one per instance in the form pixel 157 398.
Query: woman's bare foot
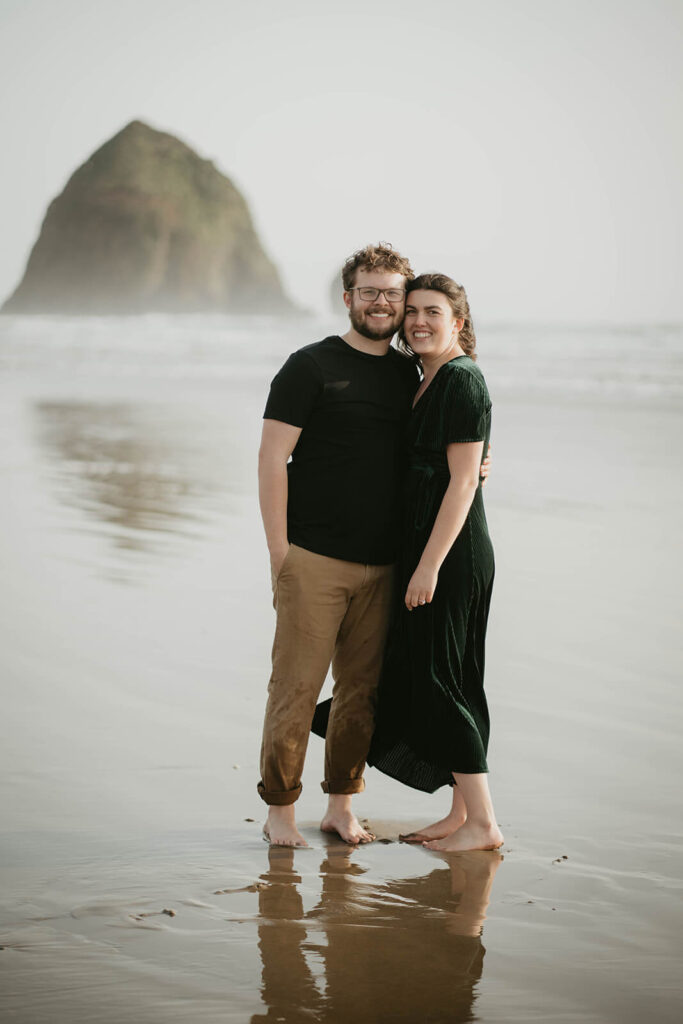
pixel 455 819
pixel 471 836
pixel 280 827
pixel 341 819
pixel 438 830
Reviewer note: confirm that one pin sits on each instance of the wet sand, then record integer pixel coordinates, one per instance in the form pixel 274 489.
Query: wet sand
pixel 135 634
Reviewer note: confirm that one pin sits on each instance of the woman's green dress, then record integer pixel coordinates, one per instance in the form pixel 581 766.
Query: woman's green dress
pixel 432 716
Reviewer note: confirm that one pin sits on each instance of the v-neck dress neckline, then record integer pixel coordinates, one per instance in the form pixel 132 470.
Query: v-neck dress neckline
pixel 433 380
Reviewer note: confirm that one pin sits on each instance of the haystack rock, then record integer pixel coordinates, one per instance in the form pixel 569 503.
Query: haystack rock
pixel 147 225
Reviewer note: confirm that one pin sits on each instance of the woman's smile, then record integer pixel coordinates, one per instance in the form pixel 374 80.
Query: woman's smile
pixel 430 326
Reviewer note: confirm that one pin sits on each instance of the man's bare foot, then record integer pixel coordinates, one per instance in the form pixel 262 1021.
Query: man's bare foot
pixel 471 836
pixel 438 830
pixel 280 827
pixel 347 827
pixel 341 819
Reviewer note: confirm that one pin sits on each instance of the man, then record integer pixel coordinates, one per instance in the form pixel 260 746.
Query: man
pixel 338 408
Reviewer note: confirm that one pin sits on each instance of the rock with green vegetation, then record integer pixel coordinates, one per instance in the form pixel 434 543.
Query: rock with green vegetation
pixel 147 225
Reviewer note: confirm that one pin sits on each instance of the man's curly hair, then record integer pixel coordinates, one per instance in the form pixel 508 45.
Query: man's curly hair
pixel 375 257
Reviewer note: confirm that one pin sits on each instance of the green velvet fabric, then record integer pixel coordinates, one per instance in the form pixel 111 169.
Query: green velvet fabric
pixel 432 715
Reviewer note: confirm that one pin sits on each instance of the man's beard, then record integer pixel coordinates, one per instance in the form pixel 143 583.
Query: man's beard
pixel 378 333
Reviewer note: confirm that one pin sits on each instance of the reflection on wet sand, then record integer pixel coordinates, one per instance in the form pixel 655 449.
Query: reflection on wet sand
pixel 140 470
pixel 404 950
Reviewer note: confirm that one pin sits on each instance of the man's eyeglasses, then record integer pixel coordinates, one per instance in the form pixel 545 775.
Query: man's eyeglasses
pixel 370 294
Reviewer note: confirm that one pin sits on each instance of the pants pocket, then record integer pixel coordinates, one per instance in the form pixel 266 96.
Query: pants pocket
pixel 274 580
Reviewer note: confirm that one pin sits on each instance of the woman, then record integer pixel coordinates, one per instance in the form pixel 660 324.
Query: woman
pixel 432 719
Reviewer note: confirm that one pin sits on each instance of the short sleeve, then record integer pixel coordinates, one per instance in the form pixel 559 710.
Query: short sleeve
pixel 467 408
pixel 294 391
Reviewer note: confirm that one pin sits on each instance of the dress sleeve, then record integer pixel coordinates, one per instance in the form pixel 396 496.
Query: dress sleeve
pixel 467 408
pixel 294 391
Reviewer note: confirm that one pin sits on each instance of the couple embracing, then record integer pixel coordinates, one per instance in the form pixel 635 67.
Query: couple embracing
pixel 370 485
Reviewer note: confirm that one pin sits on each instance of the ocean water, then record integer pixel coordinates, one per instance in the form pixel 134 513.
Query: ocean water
pixel 611 362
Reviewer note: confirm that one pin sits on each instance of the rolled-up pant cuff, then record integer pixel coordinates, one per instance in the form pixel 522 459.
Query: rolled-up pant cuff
pixel 279 799
pixel 343 786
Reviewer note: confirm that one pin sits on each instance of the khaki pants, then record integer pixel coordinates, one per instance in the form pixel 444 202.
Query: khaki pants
pixel 328 611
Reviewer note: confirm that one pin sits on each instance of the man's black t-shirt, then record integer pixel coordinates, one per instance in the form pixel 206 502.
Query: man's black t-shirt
pixel 345 472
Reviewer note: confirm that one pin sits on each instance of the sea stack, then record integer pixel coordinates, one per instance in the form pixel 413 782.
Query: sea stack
pixel 147 225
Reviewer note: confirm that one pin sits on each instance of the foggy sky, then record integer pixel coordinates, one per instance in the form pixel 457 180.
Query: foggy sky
pixel 530 148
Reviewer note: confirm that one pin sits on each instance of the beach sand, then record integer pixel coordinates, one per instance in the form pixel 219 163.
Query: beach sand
pixel 135 634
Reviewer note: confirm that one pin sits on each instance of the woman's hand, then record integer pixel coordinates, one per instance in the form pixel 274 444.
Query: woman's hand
pixel 421 587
